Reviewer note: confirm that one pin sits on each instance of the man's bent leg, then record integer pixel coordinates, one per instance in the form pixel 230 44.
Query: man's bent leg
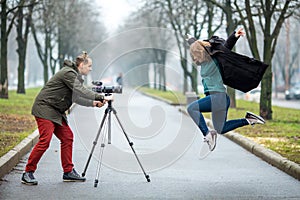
pixel 65 135
pixel 46 128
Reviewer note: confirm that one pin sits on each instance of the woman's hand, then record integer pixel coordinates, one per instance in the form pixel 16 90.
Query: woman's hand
pixel 239 32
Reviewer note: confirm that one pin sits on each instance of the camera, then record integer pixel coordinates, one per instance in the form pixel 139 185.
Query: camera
pixel 105 89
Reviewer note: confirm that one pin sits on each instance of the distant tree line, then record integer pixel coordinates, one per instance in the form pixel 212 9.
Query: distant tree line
pixel 61 29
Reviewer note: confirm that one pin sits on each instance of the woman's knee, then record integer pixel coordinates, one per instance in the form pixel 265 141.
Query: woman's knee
pixel 190 108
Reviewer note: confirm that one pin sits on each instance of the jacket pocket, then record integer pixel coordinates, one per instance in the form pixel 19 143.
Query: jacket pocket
pixel 62 105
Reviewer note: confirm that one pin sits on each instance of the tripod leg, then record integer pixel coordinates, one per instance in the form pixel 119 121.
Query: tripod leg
pixel 94 144
pixel 100 161
pixel 131 146
pixel 109 128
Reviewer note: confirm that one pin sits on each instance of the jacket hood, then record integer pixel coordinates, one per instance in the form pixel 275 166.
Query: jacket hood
pixel 72 64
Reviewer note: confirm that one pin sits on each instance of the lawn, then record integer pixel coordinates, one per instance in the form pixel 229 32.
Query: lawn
pixel 16 122
pixel 281 134
pixel 174 97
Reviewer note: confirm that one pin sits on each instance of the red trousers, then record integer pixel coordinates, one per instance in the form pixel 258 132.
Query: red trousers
pixel 63 133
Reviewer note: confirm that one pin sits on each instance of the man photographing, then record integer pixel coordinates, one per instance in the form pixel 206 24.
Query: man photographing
pixel 49 108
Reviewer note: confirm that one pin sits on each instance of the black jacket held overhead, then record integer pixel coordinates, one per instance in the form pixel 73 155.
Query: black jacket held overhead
pixel 64 88
pixel 237 71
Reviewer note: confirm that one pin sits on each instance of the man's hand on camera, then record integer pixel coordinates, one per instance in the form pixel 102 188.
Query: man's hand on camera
pixel 98 103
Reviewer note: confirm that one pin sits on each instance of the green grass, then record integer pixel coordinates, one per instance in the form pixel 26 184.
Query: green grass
pixel 174 97
pixel 16 121
pixel 281 134
pixel 10 140
pixel 18 103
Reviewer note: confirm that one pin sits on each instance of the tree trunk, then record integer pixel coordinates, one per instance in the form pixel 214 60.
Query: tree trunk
pixel 266 84
pixel 287 56
pixel 161 69
pixel 231 25
pixel 42 55
pixel 61 48
pixel 3 72
pixel 21 74
pixel 21 52
pixel 185 74
pixel 163 74
pixel 163 78
pixel 266 95
pixel 193 75
pixel 194 79
pixel 155 75
pixel 46 74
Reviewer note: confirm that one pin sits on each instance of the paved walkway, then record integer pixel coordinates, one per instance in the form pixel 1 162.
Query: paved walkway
pixel 168 144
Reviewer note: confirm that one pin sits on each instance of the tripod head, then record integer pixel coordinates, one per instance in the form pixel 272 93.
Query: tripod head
pixel 109 103
pixel 109 100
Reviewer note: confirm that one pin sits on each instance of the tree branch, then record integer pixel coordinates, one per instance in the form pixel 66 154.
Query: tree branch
pixel 280 20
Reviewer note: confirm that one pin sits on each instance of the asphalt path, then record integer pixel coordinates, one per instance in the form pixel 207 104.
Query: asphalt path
pixel 295 103
pixel 168 145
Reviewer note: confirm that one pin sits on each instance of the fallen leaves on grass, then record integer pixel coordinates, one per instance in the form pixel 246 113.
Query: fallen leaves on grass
pixel 13 128
pixel 281 145
pixel 13 123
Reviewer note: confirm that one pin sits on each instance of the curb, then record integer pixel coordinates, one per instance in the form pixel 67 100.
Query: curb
pixel 271 157
pixel 9 160
pixel 267 155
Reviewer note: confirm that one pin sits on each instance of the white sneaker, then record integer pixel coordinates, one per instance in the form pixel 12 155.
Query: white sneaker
pixel 254 119
pixel 211 139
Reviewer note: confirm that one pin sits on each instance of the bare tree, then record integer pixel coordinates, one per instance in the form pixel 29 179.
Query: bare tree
pixel 288 45
pixel 45 30
pixel 74 18
pixel 63 26
pixel 270 16
pixel 22 38
pixel 292 52
pixel 7 15
pixel 190 17
pixel 154 17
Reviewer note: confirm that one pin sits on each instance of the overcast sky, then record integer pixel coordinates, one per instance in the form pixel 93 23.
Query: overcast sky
pixel 115 11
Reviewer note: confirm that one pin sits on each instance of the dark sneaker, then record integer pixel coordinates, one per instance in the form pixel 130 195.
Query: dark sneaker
pixel 72 177
pixel 254 119
pixel 28 178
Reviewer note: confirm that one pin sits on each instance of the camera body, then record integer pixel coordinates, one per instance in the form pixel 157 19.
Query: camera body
pixel 99 88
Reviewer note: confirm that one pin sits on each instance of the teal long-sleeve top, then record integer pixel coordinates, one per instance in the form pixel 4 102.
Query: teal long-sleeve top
pixel 211 77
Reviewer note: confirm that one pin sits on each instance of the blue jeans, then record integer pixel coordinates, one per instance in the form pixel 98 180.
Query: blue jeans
pixel 217 104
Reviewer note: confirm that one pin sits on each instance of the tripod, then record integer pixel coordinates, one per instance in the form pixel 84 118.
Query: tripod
pixel 107 113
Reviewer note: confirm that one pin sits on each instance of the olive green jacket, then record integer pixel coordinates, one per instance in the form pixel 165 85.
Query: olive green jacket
pixel 64 88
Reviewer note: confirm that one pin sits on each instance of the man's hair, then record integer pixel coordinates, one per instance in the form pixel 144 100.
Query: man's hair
pixel 198 52
pixel 83 57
